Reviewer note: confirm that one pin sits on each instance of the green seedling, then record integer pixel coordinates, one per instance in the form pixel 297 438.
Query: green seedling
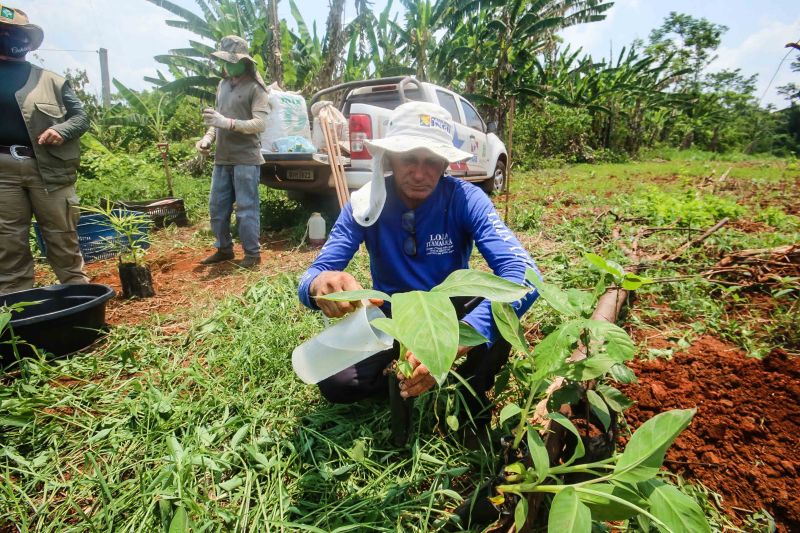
pixel 129 245
pixel 425 322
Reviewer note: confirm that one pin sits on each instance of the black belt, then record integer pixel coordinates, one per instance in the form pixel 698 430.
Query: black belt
pixel 18 151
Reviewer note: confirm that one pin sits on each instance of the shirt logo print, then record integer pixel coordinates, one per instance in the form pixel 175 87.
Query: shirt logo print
pixel 439 244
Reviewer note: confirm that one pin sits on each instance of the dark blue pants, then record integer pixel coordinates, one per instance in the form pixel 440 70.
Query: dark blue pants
pixel 366 380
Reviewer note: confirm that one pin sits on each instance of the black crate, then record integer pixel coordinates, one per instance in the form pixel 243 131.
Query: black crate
pixel 162 212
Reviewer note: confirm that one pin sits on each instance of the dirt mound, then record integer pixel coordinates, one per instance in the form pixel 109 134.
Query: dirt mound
pixel 743 442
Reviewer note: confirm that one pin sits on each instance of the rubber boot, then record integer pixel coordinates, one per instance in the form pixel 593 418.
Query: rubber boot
pixel 218 257
pixel 249 262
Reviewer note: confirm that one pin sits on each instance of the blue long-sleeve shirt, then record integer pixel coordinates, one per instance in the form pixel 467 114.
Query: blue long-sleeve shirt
pixel 455 216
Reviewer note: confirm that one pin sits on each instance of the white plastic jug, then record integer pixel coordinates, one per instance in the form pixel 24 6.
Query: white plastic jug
pixel 344 344
pixel 316 230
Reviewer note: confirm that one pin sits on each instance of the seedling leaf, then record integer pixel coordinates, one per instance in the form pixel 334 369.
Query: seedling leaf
pixel 508 324
pixel 622 374
pixel 677 510
pixel 426 324
pixel 613 397
pixel 538 451
pixel 567 513
pixel 520 514
pixel 599 408
pixel 607 510
pixel 601 264
pixel 553 295
pixel 645 451
pixel 353 296
pixel 468 282
pixel 631 282
pixel 509 411
pixel 469 336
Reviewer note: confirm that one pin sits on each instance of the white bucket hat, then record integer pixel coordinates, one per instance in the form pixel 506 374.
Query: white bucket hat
pixel 412 126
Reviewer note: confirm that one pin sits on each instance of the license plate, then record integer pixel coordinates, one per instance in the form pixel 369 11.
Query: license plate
pixel 300 175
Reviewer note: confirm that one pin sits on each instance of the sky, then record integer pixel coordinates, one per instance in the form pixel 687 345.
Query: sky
pixel 134 31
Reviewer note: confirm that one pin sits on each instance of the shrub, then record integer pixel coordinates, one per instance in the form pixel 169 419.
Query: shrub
pixel 120 176
pixel 551 131
pixel 689 208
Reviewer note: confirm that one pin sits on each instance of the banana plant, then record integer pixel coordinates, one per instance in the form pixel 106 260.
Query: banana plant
pixel 148 113
pixel 192 70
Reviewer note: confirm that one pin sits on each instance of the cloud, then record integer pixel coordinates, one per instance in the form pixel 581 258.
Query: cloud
pixel 596 37
pixel 761 53
pixel 133 31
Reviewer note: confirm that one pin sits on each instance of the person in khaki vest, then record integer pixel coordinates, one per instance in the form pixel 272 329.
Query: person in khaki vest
pixel 41 121
pixel 240 116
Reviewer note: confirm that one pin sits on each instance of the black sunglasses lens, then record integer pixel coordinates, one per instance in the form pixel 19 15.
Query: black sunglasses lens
pixel 410 246
pixel 408 222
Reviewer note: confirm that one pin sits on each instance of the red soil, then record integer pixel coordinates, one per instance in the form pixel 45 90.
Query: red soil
pixel 182 284
pixel 743 441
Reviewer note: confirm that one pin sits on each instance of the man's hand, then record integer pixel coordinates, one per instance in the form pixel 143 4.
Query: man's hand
pixel 212 118
pixel 333 281
pixel 203 145
pixel 421 379
pixel 50 136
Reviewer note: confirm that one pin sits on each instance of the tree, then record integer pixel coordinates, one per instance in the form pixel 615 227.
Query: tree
pixel 514 33
pixel 691 43
pixel 274 40
pixel 334 42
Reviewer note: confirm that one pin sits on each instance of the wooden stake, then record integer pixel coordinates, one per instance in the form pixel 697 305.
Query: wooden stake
pixel 509 145
pixel 334 158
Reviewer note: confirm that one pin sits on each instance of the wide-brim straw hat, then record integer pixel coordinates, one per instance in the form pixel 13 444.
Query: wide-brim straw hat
pixel 16 18
pixel 233 49
pixel 412 126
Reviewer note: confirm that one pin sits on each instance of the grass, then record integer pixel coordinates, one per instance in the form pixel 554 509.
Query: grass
pixel 575 209
pixel 215 423
pixel 211 424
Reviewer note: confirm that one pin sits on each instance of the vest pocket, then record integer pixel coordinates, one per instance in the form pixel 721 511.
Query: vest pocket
pixel 65 152
pixel 51 110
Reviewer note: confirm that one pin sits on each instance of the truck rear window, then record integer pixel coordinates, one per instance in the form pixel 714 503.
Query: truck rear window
pixel 384 99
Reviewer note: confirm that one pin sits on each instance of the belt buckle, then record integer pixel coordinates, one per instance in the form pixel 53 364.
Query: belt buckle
pixel 13 150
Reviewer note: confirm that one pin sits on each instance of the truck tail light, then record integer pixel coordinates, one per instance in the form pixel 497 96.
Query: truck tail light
pixel 360 129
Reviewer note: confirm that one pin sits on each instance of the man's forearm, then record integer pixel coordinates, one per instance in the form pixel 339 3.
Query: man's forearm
pixel 257 124
pixel 77 122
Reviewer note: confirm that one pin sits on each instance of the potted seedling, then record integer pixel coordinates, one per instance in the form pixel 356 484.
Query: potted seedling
pixel 129 243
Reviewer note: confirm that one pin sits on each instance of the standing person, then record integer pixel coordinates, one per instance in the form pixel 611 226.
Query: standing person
pixel 419 225
pixel 240 116
pixel 41 121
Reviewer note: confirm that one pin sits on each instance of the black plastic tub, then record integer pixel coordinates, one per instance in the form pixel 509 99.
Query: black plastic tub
pixel 65 319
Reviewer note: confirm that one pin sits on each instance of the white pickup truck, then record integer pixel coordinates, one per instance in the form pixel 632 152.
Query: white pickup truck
pixel 367 106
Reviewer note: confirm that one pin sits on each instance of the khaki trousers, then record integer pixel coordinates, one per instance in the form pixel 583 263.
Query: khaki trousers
pixel 22 194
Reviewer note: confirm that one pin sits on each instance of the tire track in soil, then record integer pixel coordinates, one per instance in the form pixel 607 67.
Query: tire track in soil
pixel 743 441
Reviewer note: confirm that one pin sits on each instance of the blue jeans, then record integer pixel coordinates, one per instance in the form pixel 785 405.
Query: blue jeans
pixel 229 184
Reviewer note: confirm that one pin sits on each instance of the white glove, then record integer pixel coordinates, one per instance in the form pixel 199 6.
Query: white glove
pixel 213 119
pixel 203 145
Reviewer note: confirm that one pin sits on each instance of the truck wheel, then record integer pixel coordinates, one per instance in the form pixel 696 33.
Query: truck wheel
pixel 497 183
